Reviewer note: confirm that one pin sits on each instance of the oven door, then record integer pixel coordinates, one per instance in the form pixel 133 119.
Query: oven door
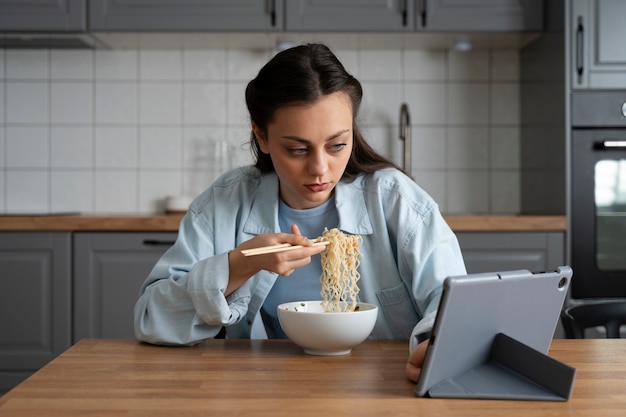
pixel 598 213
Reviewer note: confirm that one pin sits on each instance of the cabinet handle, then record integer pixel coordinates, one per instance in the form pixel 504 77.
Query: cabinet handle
pixel 157 242
pixel 580 32
pixel 422 11
pixel 608 144
pixel 404 13
pixel 273 13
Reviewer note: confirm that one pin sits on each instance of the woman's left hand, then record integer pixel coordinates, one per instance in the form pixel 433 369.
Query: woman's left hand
pixel 416 361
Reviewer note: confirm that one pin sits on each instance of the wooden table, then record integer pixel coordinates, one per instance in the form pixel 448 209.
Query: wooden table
pixel 105 377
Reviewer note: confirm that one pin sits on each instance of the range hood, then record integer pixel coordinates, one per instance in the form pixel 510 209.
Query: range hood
pixel 65 40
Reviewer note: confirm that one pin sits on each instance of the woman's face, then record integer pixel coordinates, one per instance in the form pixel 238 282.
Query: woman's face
pixel 310 145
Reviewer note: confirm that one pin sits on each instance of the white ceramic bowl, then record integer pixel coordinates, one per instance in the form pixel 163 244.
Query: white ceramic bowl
pixel 319 333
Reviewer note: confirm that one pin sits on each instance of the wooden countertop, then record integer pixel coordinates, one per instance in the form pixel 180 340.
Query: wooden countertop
pixel 108 377
pixel 169 223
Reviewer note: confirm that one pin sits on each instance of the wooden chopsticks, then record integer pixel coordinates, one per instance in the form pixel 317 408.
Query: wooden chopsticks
pixel 281 247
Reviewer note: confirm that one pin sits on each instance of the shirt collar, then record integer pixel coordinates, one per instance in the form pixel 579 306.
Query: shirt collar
pixel 349 200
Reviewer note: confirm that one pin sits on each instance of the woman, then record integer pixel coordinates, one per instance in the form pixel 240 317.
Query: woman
pixel 313 171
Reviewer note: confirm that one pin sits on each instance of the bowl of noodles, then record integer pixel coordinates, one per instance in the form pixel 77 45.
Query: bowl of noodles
pixel 326 333
pixel 338 322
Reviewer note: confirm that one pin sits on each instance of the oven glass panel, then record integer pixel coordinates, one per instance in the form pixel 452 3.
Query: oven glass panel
pixel 610 202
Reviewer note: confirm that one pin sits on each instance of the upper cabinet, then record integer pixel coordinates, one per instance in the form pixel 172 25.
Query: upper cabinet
pixel 350 15
pixel 43 15
pixel 597 57
pixel 186 15
pixel 479 15
pixel 314 16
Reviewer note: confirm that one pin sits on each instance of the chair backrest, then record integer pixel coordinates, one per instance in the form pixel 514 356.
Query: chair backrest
pixel 609 314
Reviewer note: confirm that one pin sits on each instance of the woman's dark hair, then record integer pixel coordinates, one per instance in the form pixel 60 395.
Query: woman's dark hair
pixel 304 74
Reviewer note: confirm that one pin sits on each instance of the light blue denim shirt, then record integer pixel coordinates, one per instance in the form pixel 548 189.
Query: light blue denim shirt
pixel 408 250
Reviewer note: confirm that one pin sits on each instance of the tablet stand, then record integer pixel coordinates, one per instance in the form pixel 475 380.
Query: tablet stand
pixel 513 371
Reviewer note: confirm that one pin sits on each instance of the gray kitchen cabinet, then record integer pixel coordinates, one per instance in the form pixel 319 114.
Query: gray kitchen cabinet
pixel 501 251
pixel 310 15
pixel 479 15
pixel 185 15
pixel 43 15
pixel 35 302
pixel 596 31
pixel 109 268
pixel 350 15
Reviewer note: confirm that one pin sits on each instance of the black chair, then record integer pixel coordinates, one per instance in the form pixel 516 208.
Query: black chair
pixel 608 314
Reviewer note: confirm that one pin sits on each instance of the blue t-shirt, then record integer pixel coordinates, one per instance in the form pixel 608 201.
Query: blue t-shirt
pixel 304 283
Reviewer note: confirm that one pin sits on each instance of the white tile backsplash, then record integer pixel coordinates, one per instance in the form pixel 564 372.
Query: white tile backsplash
pixel 71 190
pixel 426 101
pixel 27 147
pixel 468 192
pixel 160 103
pixel 160 148
pixel 426 65
pixel 161 65
pixel 203 103
pixel 116 147
pixel 116 191
pixel 71 102
pixel 2 95
pixel 71 147
pixel 116 131
pixel 27 64
pixel 375 65
pixel 428 150
pixel 204 65
pixel 236 111
pixel 3 153
pixel 69 64
pixel 468 104
pixel 505 104
pixel 505 65
pixel 505 148
pixel 117 65
pixel 468 148
pixel 27 102
pixel 27 190
pixel 116 103
pixel 154 186
pixel 468 67
pixel 505 196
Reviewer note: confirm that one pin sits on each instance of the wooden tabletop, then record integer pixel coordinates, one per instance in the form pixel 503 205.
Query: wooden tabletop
pixel 107 377
pixel 170 223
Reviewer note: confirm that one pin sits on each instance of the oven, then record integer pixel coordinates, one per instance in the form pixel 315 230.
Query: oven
pixel 597 207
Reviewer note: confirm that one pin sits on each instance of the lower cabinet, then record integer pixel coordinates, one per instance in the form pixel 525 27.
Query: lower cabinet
pixel 502 251
pixel 35 302
pixel 109 269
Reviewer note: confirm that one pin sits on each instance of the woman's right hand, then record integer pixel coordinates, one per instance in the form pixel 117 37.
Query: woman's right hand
pixel 241 267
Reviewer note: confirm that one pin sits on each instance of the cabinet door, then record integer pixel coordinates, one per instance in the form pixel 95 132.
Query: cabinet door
pixel 479 15
pixel 499 251
pixel 350 15
pixel 185 15
pixel 43 15
pixel 35 302
pixel 109 269
pixel 596 43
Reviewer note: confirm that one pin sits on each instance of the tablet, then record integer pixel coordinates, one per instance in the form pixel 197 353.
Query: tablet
pixel 522 305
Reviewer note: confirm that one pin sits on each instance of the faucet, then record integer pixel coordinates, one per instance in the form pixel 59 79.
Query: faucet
pixel 405 136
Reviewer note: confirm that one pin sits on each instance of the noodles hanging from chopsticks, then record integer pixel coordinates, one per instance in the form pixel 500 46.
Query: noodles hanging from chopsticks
pixel 339 277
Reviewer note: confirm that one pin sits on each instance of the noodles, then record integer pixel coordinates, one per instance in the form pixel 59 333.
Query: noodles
pixel 339 276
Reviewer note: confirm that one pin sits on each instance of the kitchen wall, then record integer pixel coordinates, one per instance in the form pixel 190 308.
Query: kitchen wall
pixel 116 131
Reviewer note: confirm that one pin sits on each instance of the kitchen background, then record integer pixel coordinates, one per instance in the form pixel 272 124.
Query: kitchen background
pixel 116 131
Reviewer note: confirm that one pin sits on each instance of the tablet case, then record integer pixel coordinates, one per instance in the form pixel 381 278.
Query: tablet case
pixel 491 337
